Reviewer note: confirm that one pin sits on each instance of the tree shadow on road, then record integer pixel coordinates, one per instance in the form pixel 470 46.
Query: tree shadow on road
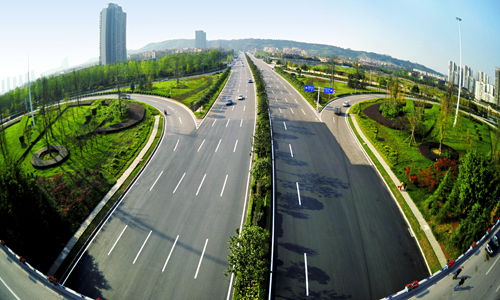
pixel 87 279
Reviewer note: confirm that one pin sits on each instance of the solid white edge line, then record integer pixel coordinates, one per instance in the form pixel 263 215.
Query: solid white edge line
pixel 201 258
pixel 180 120
pixel 298 193
pixel 241 123
pixel 218 145
pixel 201 145
pixel 171 250
pixel 176 145
pixel 9 289
pixel 155 181
pixel 492 265
pixel 285 125
pixel 224 186
pixel 178 183
pixel 117 240
pixel 307 275
pixel 142 247
pixel 121 199
pixel 235 144
pixel 201 184
pixel 291 152
pixel 228 122
pixel 214 122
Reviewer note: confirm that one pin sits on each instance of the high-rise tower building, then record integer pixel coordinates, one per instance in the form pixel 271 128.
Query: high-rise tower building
pixel 200 39
pixel 3 86
pixel 21 80
pixel 112 35
pixel 14 82
pixel 8 84
pixel 497 85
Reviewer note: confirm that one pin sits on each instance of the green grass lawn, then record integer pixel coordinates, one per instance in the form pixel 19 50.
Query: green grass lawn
pixel 466 134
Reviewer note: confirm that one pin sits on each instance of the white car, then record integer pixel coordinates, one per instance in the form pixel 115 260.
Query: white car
pixel 240 97
pixel 346 104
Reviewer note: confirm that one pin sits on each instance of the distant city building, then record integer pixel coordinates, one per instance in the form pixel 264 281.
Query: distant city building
pixel 294 51
pixel 3 86
pixel 21 80
pixel 271 50
pixel 8 84
pixel 428 74
pixel 484 91
pixel 453 73
pixel 32 77
pixel 59 70
pixel 200 41
pixel 497 85
pixel 150 54
pixel 14 82
pixel 483 77
pixel 112 35
pixel 26 77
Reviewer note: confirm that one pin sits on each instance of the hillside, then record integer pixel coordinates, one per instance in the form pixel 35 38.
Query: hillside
pixel 313 49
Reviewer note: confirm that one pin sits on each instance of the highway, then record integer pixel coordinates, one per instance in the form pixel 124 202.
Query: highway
pixel 339 233
pixel 167 239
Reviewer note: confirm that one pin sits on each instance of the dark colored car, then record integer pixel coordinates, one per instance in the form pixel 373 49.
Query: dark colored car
pixel 491 247
pixel 229 102
pixel 249 80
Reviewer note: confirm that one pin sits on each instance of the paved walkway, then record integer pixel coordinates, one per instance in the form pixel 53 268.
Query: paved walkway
pixel 423 224
pixel 104 200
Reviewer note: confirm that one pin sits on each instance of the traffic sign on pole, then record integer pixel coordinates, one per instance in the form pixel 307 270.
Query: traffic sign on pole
pixel 309 88
pixel 328 90
pixel 335 91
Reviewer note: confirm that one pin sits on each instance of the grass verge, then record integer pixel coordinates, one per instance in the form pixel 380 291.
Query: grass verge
pixel 82 241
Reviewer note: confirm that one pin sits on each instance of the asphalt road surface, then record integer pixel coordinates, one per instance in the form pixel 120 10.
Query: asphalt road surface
pixel 339 233
pixel 168 237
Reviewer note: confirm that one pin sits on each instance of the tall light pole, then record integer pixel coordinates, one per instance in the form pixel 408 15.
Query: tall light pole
pixel 460 80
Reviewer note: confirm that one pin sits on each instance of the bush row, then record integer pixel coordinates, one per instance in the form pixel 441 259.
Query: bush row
pixel 211 92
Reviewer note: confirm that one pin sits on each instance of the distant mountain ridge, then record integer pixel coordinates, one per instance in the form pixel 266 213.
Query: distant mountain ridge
pixel 313 49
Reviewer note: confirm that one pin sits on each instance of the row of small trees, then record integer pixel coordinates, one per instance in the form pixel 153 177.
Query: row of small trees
pixel 105 76
pixel 249 249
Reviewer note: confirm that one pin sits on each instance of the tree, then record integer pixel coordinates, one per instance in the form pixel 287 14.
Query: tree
pixel 248 260
pixel 414 118
pixel 132 87
pixel 331 64
pixel 415 89
pixel 382 82
pixel 477 182
pixel 471 228
pixel 444 114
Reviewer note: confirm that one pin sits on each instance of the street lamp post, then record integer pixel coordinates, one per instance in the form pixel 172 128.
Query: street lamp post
pixel 460 80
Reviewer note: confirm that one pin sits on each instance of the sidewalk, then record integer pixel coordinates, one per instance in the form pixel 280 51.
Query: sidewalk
pixel 395 181
pixel 104 200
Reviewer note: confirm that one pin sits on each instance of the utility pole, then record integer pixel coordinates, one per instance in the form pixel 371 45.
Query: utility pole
pixel 461 69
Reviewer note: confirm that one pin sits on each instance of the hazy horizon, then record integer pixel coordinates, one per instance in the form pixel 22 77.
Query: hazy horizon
pixel 425 32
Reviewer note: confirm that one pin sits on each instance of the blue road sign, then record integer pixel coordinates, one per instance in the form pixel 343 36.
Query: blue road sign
pixel 309 88
pixel 24 99
pixel 265 58
pixel 328 90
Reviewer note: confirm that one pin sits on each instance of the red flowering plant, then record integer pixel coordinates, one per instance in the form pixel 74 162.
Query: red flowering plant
pixel 2 242
pixel 415 283
pixel 53 280
pixel 22 259
pixel 450 263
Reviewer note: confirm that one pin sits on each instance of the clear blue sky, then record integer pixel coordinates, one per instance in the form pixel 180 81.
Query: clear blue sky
pixel 419 31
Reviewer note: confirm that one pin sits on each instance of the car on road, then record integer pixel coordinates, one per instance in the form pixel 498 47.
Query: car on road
pixel 249 80
pixel 491 247
pixel 229 102
pixel 240 97
pixel 346 104
pixel 337 110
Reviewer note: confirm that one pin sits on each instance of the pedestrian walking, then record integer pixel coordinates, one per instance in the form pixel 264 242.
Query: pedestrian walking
pixel 457 273
pixel 460 283
pixel 402 185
